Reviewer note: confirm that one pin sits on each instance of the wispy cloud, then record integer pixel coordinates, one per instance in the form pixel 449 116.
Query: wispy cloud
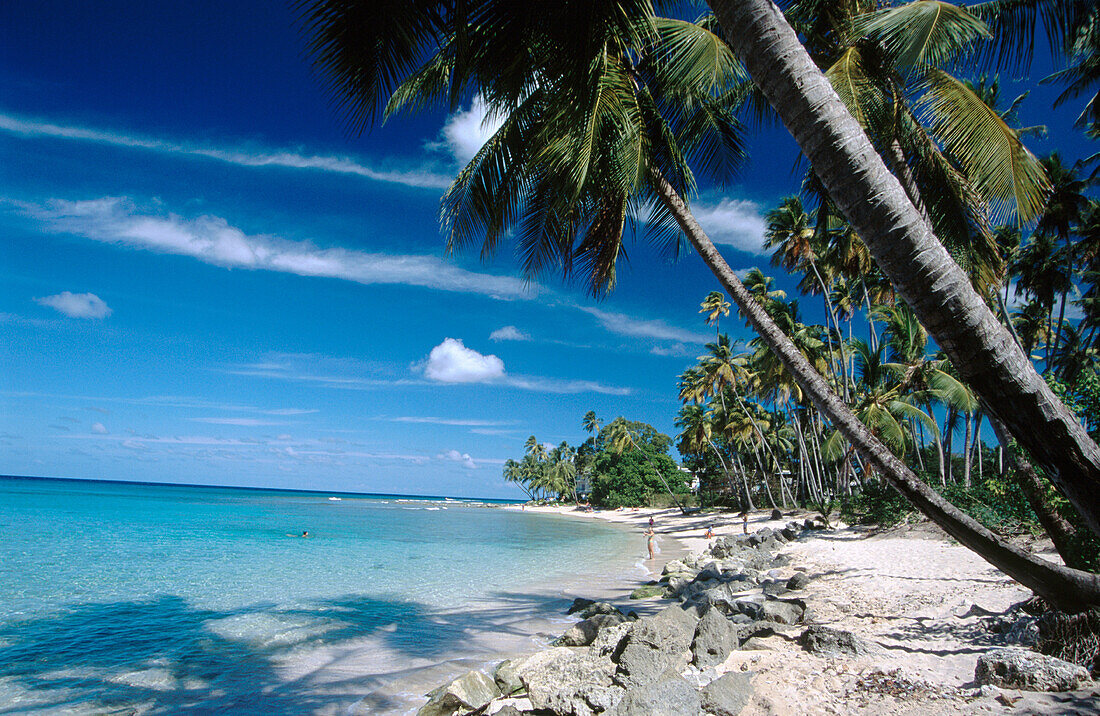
pixel 508 333
pixel 459 422
pixel 76 305
pixel 733 222
pixel 629 326
pixel 240 156
pixel 241 422
pixel 212 240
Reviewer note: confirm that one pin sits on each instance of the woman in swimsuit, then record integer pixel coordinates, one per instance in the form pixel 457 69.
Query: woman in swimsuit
pixel 649 536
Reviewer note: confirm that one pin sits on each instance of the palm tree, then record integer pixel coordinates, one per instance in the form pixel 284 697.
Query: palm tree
pixel 1064 211
pixel 715 306
pixel 591 423
pixel 583 142
pixel 907 251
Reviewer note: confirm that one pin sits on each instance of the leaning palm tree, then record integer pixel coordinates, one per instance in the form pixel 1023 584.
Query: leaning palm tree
pixel 903 244
pixel 604 108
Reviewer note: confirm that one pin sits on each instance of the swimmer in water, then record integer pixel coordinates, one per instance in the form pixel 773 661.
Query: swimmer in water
pixel 650 535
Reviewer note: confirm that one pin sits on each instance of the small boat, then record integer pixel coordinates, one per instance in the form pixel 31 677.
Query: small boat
pixel 335 499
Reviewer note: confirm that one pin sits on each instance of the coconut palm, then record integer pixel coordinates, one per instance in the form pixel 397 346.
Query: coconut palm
pixel 583 143
pixel 715 306
pixel 907 251
pixel 591 423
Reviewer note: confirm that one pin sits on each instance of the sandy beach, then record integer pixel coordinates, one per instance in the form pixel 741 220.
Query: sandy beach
pixel 922 602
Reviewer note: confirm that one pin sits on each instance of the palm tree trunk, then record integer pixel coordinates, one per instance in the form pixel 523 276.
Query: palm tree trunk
pixel 1066 588
pixel 906 250
pixel 966 452
pixel 1061 532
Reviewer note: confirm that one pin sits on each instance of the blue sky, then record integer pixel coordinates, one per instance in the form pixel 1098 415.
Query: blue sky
pixel 205 280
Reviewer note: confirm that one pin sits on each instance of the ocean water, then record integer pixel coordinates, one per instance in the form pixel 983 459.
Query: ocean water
pixel 134 598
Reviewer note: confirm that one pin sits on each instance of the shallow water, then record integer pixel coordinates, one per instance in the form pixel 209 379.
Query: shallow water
pixel 168 599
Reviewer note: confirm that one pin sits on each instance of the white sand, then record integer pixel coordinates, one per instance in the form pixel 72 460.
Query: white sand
pixel 915 595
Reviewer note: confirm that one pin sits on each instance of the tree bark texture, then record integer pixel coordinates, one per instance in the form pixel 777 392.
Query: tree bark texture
pixel 1068 589
pixel 906 250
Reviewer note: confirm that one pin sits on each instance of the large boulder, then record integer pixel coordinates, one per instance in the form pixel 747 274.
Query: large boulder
pixel 728 694
pixel 674 566
pixel 568 682
pixel 653 646
pixel 466 693
pixel 670 696
pixel 1017 668
pixel 824 641
pixel 584 632
pixel 715 637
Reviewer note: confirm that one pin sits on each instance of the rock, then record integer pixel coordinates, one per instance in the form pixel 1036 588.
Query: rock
pixel 775 589
pixel 599 608
pixel 580 603
pixel 674 567
pixel 756 643
pixel 751 605
pixel 727 695
pixel 790 533
pixel 584 632
pixel 506 710
pixel 608 640
pixel 754 629
pixel 776 515
pixel 647 591
pixel 567 682
pixel 1017 668
pixel 798 580
pixel 715 638
pixel 782 611
pixel 824 641
pixel 666 697
pixel 506 679
pixel 466 693
pixel 653 646
pixel 711 571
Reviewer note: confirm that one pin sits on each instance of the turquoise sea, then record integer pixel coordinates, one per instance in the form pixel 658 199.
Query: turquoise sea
pixel 137 598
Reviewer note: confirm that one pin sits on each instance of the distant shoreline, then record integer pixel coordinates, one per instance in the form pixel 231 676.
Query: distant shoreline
pixel 252 488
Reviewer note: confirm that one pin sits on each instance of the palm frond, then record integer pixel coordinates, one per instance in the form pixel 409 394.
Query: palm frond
pixel 989 151
pixel 923 33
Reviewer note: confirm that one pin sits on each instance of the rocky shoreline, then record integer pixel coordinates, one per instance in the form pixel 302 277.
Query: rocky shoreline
pixel 740 599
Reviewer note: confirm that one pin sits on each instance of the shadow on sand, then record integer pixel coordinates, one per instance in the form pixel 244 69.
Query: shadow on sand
pixel 166 656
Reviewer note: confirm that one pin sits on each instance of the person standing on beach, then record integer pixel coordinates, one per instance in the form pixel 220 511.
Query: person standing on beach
pixel 650 535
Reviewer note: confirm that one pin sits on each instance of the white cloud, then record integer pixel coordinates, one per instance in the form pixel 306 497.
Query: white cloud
pixel 246 157
pixel 509 333
pixel 465 132
pixel 625 325
pixel 77 305
pixel 99 429
pixel 733 222
pixel 456 456
pixel 213 240
pixel 452 362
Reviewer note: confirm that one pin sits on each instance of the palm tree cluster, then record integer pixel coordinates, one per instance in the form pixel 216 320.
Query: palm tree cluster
pixel 544 473
pixel 610 113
